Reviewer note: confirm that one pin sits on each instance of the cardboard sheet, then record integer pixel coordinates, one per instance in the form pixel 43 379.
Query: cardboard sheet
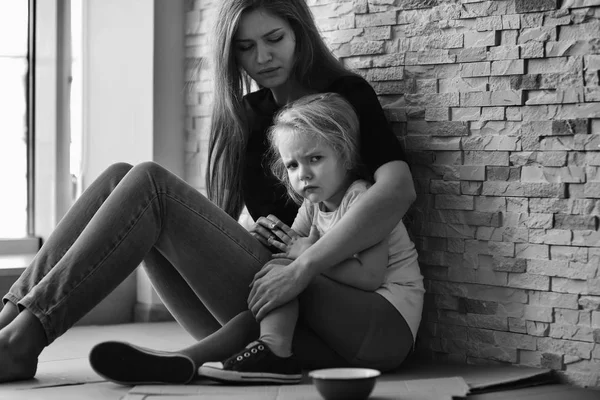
pixel 417 389
pixel 479 378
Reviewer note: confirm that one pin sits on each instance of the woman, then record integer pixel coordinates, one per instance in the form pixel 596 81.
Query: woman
pixel 199 259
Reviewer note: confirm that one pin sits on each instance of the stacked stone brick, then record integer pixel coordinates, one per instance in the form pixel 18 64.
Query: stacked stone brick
pixel 498 106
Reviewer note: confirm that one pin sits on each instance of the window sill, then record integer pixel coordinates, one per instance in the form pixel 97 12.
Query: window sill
pixel 9 247
pixel 17 254
pixel 14 265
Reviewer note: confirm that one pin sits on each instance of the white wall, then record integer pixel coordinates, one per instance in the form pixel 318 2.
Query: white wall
pixel 133 95
pixel 118 75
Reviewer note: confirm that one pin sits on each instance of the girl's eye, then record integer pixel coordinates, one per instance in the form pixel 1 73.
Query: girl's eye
pixel 291 166
pixel 315 158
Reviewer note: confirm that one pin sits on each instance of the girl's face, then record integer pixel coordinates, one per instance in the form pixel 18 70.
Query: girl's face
pixel 315 170
pixel 264 46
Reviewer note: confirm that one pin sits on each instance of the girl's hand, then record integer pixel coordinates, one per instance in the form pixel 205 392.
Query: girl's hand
pixel 270 231
pixel 298 245
pixel 278 282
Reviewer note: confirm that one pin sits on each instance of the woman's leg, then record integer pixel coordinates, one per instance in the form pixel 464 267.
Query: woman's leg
pixel 341 326
pixel 128 364
pixel 149 209
pixel 24 339
pixel 62 238
pixel 178 296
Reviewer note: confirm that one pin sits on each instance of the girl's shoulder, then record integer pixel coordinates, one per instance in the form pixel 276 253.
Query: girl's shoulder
pixel 359 185
pixel 354 191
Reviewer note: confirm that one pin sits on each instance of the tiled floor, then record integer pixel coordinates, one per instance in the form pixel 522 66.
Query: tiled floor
pixel 64 373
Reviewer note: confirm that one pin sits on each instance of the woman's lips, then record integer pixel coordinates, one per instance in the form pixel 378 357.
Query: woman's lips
pixel 267 71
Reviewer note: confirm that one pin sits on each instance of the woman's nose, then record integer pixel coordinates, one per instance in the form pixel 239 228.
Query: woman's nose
pixel 263 54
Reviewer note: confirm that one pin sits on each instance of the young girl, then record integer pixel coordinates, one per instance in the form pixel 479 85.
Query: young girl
pixel 315 146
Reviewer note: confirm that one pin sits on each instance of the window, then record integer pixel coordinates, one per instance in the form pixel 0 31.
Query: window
pixel 14 75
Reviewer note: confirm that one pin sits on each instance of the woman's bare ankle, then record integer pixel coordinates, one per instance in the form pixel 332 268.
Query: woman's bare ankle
pixel 8 313
pixel 15 365
pixel 21 343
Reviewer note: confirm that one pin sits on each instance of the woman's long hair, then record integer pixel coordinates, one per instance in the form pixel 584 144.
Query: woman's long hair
pixel 314 67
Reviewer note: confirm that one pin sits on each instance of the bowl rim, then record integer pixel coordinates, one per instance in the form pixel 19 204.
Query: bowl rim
pixel 370 374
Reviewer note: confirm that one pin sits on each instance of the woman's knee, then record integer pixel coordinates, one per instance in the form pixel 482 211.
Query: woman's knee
pixel 118 170
pixel 149 168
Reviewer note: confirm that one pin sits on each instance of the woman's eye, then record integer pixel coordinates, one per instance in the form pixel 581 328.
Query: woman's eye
pixel 244 47
pixel 275 39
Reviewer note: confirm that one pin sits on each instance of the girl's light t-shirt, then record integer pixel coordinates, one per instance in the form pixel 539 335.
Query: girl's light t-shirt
pixel 403 282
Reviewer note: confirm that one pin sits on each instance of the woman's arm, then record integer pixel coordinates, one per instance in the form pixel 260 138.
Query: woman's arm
pixel 366 270
pixel 366 223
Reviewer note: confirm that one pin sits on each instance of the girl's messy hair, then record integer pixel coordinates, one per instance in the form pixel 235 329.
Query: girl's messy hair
pixel 315 66
pixel 327 118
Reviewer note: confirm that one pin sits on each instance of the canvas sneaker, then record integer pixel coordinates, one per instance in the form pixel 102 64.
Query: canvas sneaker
pixel 254 364
pixel 126 364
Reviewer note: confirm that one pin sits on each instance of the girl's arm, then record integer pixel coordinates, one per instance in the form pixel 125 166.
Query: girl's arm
pixel 366 270
pixel 366 223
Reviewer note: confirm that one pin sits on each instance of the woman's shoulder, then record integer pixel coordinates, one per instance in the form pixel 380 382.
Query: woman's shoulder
pixel 349 82
pixel 260 101
pixel 357 91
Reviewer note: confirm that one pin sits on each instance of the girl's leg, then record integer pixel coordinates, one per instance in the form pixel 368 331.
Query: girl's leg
pixel 277 329
pixel 150 208
pixel 341 326
pixel 266 360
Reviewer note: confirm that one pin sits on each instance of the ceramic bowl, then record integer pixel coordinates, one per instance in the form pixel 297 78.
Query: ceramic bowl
pixel 344 383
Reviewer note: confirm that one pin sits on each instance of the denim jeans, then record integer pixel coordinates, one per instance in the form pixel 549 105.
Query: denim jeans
pixel 199 260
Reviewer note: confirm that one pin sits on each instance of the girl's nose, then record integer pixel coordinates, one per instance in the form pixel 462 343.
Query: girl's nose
pixel 305 173
pixel 263 54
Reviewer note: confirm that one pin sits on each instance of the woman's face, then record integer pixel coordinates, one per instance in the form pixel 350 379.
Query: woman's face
pixel 264 45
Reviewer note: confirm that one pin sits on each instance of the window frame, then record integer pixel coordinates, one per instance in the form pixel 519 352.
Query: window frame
pixel 48 134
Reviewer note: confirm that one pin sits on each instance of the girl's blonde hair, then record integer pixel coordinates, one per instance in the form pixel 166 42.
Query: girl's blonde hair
pixel 315 66
pixel 327 118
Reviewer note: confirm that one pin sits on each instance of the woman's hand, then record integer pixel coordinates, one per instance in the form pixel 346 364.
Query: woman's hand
pixel 270 231
pixel 278 282
pixel 298 245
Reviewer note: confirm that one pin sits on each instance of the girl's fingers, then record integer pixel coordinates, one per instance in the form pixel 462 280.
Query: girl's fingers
pixel 280 255
pixel 277 244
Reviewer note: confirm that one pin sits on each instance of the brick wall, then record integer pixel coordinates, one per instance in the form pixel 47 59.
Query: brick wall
pixel 498 105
